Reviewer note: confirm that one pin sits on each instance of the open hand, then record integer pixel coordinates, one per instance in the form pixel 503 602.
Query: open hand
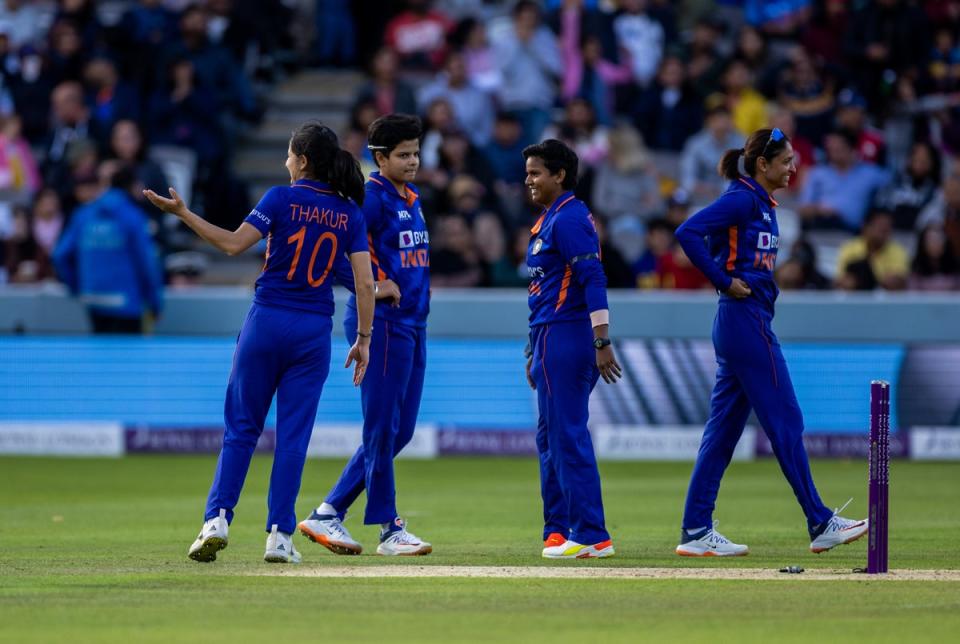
pixel 361 354
pixel 173 205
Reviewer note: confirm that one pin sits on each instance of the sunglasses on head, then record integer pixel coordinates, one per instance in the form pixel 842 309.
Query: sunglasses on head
pixel 775 135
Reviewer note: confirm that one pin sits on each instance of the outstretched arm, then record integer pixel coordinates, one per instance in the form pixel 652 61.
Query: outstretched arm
pixel 230 242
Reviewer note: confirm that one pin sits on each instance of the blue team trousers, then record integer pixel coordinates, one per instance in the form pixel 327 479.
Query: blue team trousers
pixel 564 370
pixel 390 400
pixel 280 351
pixel 751 373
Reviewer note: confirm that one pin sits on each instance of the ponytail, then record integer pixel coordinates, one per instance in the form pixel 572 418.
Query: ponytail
pixel 346 177
pixel 729 166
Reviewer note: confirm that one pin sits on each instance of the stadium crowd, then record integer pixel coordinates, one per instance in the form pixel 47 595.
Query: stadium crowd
pixel 650 93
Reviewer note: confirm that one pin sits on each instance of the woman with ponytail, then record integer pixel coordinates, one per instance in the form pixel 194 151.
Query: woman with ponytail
pixel 390 395
pixel 734 242
pixel 284 345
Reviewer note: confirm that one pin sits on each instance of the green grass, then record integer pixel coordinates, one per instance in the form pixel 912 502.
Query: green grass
pixel 94 550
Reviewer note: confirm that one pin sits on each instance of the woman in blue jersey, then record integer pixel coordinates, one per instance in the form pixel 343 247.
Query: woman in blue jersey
pixel 390 395
pixel 284 344
pixel 739 258
pixel 569 350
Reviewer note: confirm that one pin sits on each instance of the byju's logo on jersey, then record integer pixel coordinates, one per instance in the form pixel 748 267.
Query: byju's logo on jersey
pixel 537 245
pixel 404 215
pixel 768 241
pixel 411 238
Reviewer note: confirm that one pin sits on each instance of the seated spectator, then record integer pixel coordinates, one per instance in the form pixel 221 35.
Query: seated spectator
pixel 698 163
pixel 913 188
pixel 703 55
pixel 385 89
pixel 642 37
pixel 659 240
pixel 418 36
pixel 764 68
pixel 678 208
pixel 438 120
pixel 873 260
pixel 934 267
pixel 71 122
pixel 110 100
pixel 454 260
pixel 587 73
pixel 626 182
pixel 944 211
pixel 826 30
pixel 24 23
pixel 83 15
pixel 65 54
pixel 47 220
pixel 530 64
pixel 579 129
pixel 800 271
pixel 851 115
pixel 23 259
pixel 669 111
pixel 470 39
pixel 837 194
pixel 128 148
pixel 512 270
pixel 19 176
pixel 747 106
pixel 505 148
pixel 808 94
pixel 676 271
pixel 473 108
pixel 615 267
pixel 943 70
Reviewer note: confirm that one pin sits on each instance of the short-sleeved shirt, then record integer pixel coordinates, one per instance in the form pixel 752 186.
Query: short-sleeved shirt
pixel 307 226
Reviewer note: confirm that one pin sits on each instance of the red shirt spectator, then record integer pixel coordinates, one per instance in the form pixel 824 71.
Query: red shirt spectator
pixel 419 36
pixel 675 271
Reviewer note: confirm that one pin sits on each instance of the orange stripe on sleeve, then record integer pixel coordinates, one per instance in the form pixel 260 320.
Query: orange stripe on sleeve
pixel 732 256
pixel 373 258
pixel 564 285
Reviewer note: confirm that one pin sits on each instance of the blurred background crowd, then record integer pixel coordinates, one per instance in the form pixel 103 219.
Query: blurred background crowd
pixel 649 92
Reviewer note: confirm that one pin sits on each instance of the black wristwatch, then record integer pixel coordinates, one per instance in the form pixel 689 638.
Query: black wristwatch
pixel 599 343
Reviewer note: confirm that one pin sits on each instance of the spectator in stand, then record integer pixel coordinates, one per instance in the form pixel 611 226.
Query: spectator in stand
pixel 913 188
pixel 668 112
pixel 33 89
pixel 698 162
pixel 825 32
pixel 704 59
pixel 473 108
pixel 676 271
pixel 144 31
pixel 884 36
pixel 615 267
pixel 65 55
pixel 336 41
pixel 23 18
pixel 22 257
pixel 934 267
pixel 419 36
pixel 388 92
pixel 587 73
pixel 19 176
pixel 642 37
pixel 851 115
pixel 678 208
pixel 579 129
pixel 943 68
pixel 511 271
pixel 658 242
pixel 107 259
pixel 944 211
pixel 46 225
pixel 71 122
pixel 109 98
pixel 752 49
pixel 454 260
pixel 470 39
pixel 747 106
pixel 800 271
pixel 806 92
pixel 83 15
pixel 873 260
pixel 504 155
pixel 777 19
pixel 837 194
pixel 458 157
pixel 530 64
pixel 127 147
pixel 626 182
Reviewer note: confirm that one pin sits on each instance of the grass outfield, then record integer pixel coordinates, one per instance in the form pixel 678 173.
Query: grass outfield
pixel 94 550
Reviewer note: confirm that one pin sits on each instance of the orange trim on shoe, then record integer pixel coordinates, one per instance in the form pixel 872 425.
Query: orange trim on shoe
pixel 554 539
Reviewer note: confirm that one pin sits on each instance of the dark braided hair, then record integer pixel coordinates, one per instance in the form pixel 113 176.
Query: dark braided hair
pixel 327 161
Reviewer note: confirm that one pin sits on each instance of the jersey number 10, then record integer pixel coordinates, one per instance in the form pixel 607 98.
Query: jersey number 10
pixel 298 237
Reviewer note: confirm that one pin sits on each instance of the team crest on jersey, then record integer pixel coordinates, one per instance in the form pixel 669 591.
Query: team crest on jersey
pixel 537 245
pixel 768 241
pixel 404 215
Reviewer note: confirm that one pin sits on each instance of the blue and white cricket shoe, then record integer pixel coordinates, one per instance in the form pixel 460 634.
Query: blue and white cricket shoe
pixel 396 540
pixel 837 531
pixel 280 547
pixel 709 543
pixel 329 532
pixel 211 540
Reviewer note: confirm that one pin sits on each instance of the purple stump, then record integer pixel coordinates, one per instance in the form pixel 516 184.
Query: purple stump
pixel 879 470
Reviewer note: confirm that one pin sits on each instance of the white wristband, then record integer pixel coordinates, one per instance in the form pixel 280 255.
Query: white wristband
pixel 600 317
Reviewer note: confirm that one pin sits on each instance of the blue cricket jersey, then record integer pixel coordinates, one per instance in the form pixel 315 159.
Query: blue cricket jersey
pixel 307 226
pixel 742 239
pixel 399 250
pixel 563 261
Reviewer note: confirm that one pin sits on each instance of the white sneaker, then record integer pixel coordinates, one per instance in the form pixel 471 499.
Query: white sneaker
pixel 709 543
pixel 839 531
pixel 280 548
pixel 401 542
pixel 329 532
pixel 573 550
pixel 212 539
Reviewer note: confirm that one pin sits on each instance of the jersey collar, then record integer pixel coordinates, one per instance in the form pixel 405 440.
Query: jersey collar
pixel 318 186
pixel 410 197
pixel 561 201
pixel 751 183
